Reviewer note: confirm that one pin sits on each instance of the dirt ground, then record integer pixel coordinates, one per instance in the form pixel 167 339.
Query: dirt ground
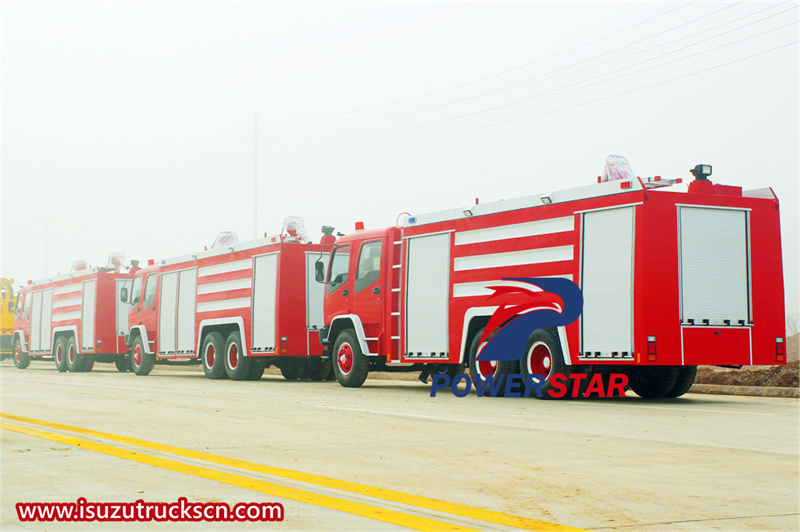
pixel 781 376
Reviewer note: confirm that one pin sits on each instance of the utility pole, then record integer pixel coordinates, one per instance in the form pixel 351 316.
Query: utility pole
pixel 46 231
pixel 255 134
pixel 255 178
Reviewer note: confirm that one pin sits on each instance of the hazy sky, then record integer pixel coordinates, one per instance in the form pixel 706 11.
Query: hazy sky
pixel 124 124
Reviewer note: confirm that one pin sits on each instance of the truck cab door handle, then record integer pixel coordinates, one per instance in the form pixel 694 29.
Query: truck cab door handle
pixel 376 290
pixel 153 307
pixel 345 292
pixel 138 309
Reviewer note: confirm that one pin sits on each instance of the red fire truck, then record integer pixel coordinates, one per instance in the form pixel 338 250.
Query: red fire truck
pixel 238 307
pixel 671 279
pixel 75 318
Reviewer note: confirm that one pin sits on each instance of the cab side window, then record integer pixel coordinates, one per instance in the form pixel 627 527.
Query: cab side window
pixel 337 273
pixel 136 291
pixel 150 290
pixel 369 265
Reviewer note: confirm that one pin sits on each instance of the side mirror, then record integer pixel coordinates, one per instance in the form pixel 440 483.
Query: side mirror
pixel 123 294
pixel 319 271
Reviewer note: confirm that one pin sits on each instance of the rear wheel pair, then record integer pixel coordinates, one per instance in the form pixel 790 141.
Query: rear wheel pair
pixel 67 358
pixel 543 359
pixel 224 357
pixel 657 382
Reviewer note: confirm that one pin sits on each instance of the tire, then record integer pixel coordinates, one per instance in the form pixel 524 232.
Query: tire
pixel 87 365
pixel 123 363
pixel 75 360
pixel 21 358
pixel 141 362
pixel 213 356
pixel 451 370
pixel 543 356
pixel 505 367
pixel 320 370
pixel 256 369
pixel 350 365
pixel 237 365
pixel 653 382
pixel 479 369
pixel 290 370
pixel 686 377
pixel 60 354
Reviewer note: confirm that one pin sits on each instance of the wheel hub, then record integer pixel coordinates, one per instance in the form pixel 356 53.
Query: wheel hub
pixel 233 356
pixel 345 358
pixel 540 361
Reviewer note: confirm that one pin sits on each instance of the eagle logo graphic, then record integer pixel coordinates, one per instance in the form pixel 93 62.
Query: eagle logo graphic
pixel 527 304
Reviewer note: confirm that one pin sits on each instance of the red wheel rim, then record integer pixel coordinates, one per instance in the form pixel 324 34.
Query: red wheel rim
pixel 59 355
pixel 209 356
pixel 344 358
pixel 540 360
pixel 485 367
pixel 233 356
pixel 137 355
pixel 18 353
pixel 71 354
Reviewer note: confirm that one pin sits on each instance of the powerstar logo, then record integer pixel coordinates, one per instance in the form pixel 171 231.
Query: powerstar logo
pixel 526 304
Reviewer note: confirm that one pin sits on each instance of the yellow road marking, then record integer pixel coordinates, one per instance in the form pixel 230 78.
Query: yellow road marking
pixel 357 508
pixel 470 512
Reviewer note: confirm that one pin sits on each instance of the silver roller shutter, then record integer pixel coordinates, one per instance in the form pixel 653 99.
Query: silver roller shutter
pixel 714 266
pixel 607 281
pixel 427 295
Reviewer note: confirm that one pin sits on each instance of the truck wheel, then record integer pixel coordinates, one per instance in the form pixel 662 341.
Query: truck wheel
pixel 256 369
pixel 653 382
pixel 543 357
pixel 686 377
pixel 480 369
pixel 290 370
pixel 60 354
pixel 237 365
pixel 351 366
pixel 451 370
pixel 88 364
pixel 213 356
pixel 141 362
pixel 21 359
pixel 122 363
pixel 74 359
pixel 321 370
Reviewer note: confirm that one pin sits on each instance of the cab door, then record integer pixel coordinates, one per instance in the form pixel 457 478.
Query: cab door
pixel 143 313
pixel 22 321
pixel 338 287
pixel 368 293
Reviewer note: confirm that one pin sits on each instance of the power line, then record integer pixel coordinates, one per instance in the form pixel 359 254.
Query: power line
pixel 492 76
pixel 537 115
pixel 301 136
pixel 554 92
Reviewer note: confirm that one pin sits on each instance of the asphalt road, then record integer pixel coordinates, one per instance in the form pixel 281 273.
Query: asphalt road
pixel 388 456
